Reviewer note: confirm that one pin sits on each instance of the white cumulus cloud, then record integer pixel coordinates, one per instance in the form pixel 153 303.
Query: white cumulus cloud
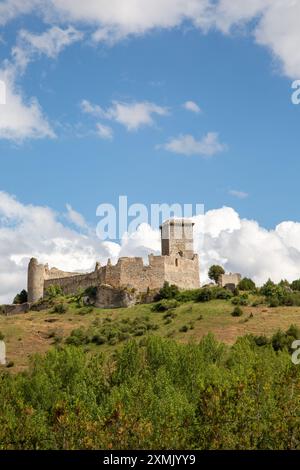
pixel 187 145
pixel 272 23
pixel 104 132
pixel 50 42
pixel 21 118
pixel 221 237
pixel 192 106
pixel 238 194
pixel 132 115
pixel 75 217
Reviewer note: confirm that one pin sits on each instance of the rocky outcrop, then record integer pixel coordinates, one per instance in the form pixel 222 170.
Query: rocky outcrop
pixel 111 297
pixel 14 309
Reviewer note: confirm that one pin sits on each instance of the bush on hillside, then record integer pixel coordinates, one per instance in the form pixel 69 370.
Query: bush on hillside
pixel 164 305
pixel 167 292
pixel 237 312
pixel 205 295
pixel 60 308
pixel 53 291
pixel 240 300
pixel 246 284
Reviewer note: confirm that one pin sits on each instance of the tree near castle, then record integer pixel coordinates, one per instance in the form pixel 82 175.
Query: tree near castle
pixel 215 272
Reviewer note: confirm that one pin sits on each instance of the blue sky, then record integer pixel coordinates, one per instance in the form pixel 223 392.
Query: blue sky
pixel 242 95
pixel 105 88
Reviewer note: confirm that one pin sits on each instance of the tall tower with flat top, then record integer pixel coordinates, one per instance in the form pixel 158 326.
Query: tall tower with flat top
pixel 177 238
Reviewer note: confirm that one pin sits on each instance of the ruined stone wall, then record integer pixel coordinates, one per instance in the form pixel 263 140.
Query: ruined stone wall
pixel 55 273
pixel 230 278
pixel 132 273
pixel 135 274
pixel 72 284
pixel 182 272
pixel 14 309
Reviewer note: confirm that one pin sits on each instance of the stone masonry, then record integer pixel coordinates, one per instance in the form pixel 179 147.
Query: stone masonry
pixel 229 279
pixel 178 265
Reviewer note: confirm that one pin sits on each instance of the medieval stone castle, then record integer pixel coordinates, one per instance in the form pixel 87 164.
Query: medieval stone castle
pixel 120 284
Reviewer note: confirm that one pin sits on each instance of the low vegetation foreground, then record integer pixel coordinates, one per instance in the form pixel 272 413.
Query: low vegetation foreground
pixel 201 369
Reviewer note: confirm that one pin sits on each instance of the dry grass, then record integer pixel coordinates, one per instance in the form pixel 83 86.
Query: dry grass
pixel 35 332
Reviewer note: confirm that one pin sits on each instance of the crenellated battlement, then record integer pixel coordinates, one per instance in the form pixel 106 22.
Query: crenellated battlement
pixel 178 265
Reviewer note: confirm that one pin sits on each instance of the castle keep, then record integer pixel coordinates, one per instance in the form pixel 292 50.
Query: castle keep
pixel 178 264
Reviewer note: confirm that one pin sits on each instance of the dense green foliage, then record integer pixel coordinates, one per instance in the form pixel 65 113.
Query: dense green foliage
pixel 155 394
pixel 246 284
pixel 53 291
pixel 21 298
pixel 215 272
pixel 167 292
pixel 280 340
pixel 60 308
pixel 280 294
pixel 295 285
pixel 205 294
pixel 164 305
pixel 111 332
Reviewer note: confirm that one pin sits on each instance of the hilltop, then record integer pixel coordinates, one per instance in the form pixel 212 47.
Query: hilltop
pixel 65 320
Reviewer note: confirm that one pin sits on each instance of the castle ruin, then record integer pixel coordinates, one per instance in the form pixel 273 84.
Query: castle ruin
pixel 177 264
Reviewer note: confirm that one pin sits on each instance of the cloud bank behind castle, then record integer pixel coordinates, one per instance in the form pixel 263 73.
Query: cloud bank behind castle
pixel 67 242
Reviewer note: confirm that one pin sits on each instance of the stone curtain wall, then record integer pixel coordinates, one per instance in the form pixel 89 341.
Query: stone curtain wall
pixel 132 273
pixel 229 279
pixel 182 272
pixel 71 285
pixel 177 265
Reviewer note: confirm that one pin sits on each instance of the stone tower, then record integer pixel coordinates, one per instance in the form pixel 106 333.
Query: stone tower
pixel 177 238
pixel 36 276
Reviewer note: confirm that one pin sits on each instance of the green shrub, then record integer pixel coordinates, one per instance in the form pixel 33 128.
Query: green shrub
pixel 170 315
pixel 222 293
pixel 205 295
pixel 274 302
pixel 240 300
pixel 293 331
pixel 1 336
pixel 280 341
pixel 53 291
pixel 77 337
pixel 85 310
pixel 246 284
pixel 261 340
pixel 188 295
pixel 184 329
pixel 167 292
pixel 60 308
pixel 237 312
pixel 99 339
pixel 295 285
pixel 165 305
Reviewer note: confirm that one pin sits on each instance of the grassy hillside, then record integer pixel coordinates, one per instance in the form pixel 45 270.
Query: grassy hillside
pixel 108 330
